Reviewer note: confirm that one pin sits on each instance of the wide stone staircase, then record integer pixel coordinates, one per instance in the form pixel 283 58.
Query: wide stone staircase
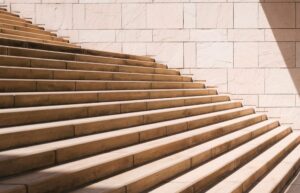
pixel 87 121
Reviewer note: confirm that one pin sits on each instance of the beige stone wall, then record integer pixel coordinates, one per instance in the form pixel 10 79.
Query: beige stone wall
pixel 246 47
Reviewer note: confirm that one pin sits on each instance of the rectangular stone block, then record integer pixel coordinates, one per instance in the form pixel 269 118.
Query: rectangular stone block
pixel 208 35
pixel 189 15
pixel 134 35
pixel 282 81
pixel 169 53
pixel 246 54
pixel 28 10
pixel 163 15
pixel 134 16
pixel 215 55
pixel 214 15
pixel 246 15
pixel 276 15
pixel 217 77
pixel 171 35
pixel 55 16
pixel 277 54
pixel 97 16
pixel 189 55
pixel 277 100
pixel 247 99
pixel 134 48
pixel 282 35
pixel 245 81
pixel 245 35
pixel 96 35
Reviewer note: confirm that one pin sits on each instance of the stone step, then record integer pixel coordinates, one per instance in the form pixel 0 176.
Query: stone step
pixel 75 174
pixel 19 160
pixel 66 74
pixel 20 136
pixel 69 48
pixel 34 53
pixel 19 23
pixel 31 115
pixel 86 66
pixel 143 178
pixel 26 29
pixel 35 39
pixel 246 177
pixel 202 177
pixel 40 85
pixel 13 18
pixel 281 175
pixel 8 13
pixel 9 100
pixel 31 34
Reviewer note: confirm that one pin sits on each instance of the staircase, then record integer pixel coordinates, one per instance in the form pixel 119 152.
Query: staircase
pixel 86 121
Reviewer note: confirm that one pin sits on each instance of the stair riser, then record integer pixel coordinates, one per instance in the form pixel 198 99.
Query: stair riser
pixel 251 181
pixel 26 29
pixel 36 73
pixel 13 18
pixel 56 64
pixel 31 34
pixel 91 174
pixel 37 40
pixel 52 133
pixel 213 178
pixel 56 85
pixel 22 24
pixel 39 116
pixel 151 181
pixel 12 51
pixel 26 100
pixel 22 164
pixel 66 48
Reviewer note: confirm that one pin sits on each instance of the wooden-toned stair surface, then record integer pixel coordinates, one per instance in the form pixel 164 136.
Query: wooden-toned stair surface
pixel 87 121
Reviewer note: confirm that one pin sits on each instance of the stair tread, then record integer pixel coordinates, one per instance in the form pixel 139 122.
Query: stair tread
pixel 68 169
pixel 290 164
pixel 134 175
pixel 92 161
pixel 143 146
pixel 59 55
pixel 38 108
pixel 256 168
pixel 78 65
pixel 10 72
pixel 188 180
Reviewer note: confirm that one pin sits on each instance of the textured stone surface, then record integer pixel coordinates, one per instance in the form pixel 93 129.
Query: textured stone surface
pixel 206 37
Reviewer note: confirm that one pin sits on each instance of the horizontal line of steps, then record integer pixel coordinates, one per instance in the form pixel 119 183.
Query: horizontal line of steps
pixel 9 100
pixel 246 177
pixel 279 177
pixel 60 74
pixel 152 174
pixel 13 18
pixel 20 23
pixel 31 34
pixel 31 115
pixel 39 85
pixel 33 39
pixel 26 29
pixel 94 168
pixel 34 53
pixel 12 137
pixel 67 48
pixel 202 177
pixel 74 65
pixel 13 161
